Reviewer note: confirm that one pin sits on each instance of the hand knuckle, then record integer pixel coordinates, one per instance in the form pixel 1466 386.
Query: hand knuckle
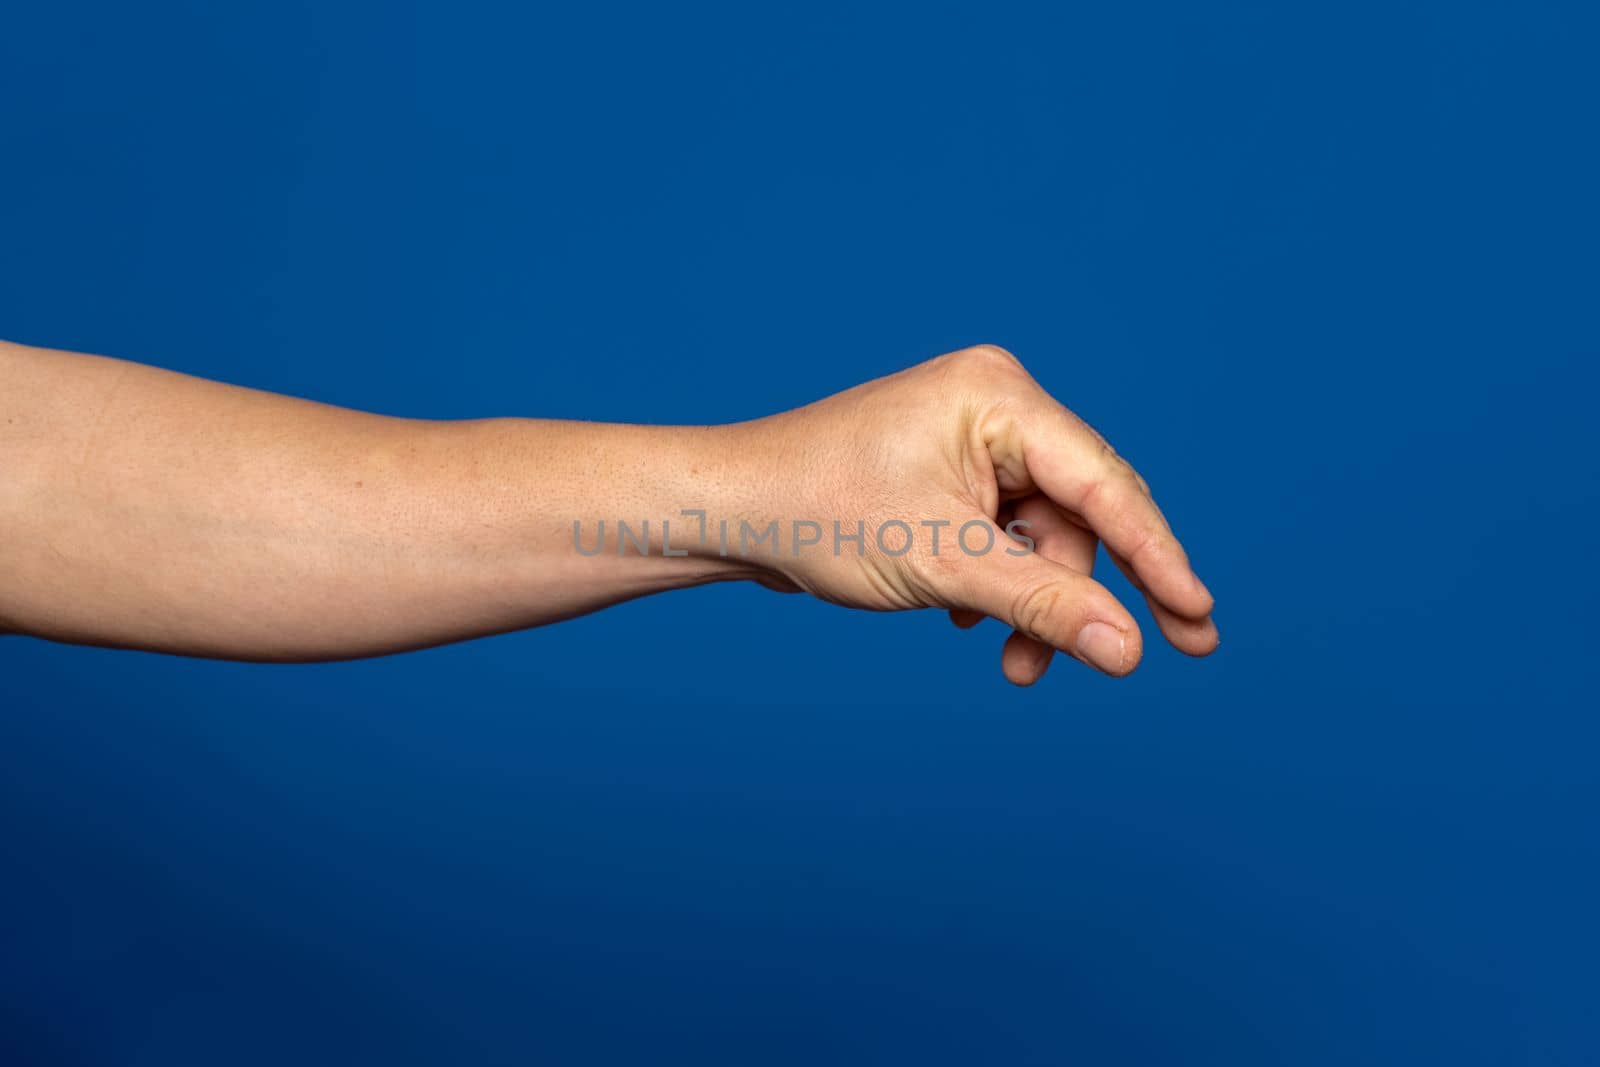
pixel 1146 544
pixel 1089 494
pixel 1033 607
pixel 991 356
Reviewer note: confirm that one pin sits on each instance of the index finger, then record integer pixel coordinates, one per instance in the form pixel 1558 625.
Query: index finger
pixel 1075 467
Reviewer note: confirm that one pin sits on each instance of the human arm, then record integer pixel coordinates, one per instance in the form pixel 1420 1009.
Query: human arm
pixel 146 509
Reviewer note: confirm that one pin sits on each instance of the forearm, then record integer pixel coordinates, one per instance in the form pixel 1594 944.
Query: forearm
pixel 147 509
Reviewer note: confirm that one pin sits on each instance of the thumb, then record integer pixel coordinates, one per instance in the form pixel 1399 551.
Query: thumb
pixel 1049 603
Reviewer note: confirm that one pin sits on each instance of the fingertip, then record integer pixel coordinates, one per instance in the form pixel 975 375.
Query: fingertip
pixel 1203 642
pixel 1202 597
pixel 1179 596
pixel 1192 637
pixel 1023 660
pixel 1019 677
pixel 1176 588
pixel 1135 653
pixel 1108 648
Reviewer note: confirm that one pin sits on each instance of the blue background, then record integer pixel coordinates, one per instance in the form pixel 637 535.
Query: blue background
pixel 1327 275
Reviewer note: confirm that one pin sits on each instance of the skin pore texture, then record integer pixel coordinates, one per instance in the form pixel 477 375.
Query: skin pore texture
pixel 141 508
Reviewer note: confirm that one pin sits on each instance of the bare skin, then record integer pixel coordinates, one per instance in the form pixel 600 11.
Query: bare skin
pixel 145 509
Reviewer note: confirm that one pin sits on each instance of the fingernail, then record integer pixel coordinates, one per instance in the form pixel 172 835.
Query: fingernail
pixel 1200 587
pixel 1103 646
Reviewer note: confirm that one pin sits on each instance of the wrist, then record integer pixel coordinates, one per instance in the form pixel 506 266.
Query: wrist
pixel 712 489
pixel 749 508
pixel 666 501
